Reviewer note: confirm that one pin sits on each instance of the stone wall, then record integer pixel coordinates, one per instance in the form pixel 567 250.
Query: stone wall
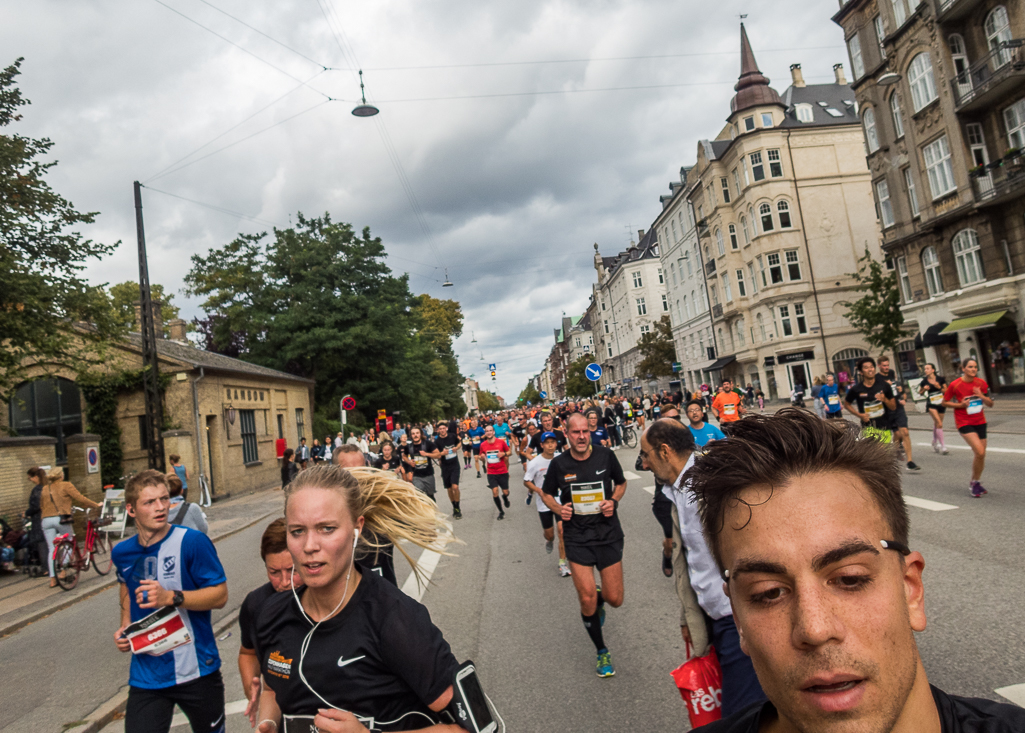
pixel 18 455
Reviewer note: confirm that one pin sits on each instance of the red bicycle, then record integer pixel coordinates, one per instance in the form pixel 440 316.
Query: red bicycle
pixel 70 559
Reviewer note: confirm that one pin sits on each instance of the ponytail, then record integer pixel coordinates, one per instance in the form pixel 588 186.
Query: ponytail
pixel 392 509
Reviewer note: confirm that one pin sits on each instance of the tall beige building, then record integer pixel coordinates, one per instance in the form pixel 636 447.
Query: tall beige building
pixel 783 206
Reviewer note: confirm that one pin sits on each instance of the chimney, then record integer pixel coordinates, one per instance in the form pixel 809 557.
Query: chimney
pixel 640 234
pixel 176 328
pixel 796 75
pixel 840 78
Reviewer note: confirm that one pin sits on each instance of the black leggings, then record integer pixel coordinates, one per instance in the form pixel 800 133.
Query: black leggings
pixel 202 701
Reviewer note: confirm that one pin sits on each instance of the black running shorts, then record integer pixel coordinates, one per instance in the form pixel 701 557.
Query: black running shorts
pixel 595 556
pixel 201 699
pixel 501 480
pixel 979 430
pixel 450 473
pixel 548 519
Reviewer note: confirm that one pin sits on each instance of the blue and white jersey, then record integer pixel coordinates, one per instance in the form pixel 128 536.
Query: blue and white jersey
pixel 501 431
pixel 184 560
pixel 706 434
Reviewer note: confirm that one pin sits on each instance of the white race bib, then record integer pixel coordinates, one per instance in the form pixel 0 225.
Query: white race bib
pixel 492 456
pixel 587 498
pixel 936 398
pixel 158 633
pixel 833 400
pixel 874 410
pixel 974 405
pixel 729 409
pixel 419 461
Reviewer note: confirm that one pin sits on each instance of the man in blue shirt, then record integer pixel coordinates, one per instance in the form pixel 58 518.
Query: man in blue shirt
pixel 476 435
pixel 702 431
pixel 829 396
pixel 175 568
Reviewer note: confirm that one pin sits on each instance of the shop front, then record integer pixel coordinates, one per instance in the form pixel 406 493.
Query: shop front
pixel 993 339
pixel 798 369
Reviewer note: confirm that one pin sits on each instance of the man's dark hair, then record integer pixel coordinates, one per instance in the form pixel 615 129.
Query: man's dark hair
pixel 671 432
pixel 771 450
pixel 274 539
pixel 862 361
pixel 699 403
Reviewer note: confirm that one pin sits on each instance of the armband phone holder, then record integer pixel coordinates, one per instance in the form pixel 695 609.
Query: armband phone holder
pixel 469 707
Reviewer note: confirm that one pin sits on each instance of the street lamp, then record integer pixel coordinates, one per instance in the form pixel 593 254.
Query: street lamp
pixel 888 79
pixel 447 283
pixel 364 110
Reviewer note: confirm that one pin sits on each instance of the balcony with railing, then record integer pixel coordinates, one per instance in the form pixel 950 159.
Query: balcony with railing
pixel 1001 180
pixel 717 311
pixel 953 10
pixel 710 268
pixel 991 77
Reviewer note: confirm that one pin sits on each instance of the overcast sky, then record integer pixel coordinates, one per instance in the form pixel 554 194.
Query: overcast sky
pixel 516 178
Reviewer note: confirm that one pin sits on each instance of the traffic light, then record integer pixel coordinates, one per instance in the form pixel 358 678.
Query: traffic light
pixel 492 372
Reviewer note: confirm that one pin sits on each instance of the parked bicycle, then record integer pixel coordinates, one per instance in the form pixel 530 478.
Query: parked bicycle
pixel 629 432
pixel 70 559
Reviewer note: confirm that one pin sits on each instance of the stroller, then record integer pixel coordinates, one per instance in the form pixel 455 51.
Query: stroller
pixel 797 396
pixel 18 553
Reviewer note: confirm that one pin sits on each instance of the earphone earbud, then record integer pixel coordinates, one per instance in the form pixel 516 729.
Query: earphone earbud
pixel 355 539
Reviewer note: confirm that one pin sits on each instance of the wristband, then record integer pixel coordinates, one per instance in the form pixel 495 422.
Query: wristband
pixel 615 503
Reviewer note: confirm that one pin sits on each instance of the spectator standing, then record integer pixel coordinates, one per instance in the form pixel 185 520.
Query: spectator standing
pixel 303 457
pixel 317 451
pixel 34 515
pixel 182 512
pixel 288 467
pixel 181 472
pixel 328 449
pixel 816 389
pixel 59 496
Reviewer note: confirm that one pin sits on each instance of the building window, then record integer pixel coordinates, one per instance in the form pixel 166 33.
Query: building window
pixel 51 407
pixel 642 309
pixel 967 257
pixel 804 113
pixel 736 181
pixel 998 32
pixel 726 289
pixel 793 265
pixel 761 269
pixel 766 213
pixel 784 318
pixel 905 279
pixel 775 164
pixel 909 185
pixel 300 423
pixel 754 222
pixel 665 303
pixel 725 189
pixel 661 277
pixel 757 169
pixel 637 279
pixel 938 167
pixel 802 322
pixel 749 124
pixel 247 422
pixel 775 269
pixel 714 293
pixel 281 426
pixel 885 207
pixel 143 432
pixel 734 244
pixel 761 326
pixel 740 331
pixel 752 278
pixel 603 305
pixel 857 63
pixel 645 328
pixel 783 209
pixel 690 270
pixel 610 351
pixel 931 266
pixel 686 308
pixel 871 137
pixel 1014 119
pixel 900 14
pixel 766 119
pixel 719 242
pixel 898 120
pixel 877 23
pixel 921 81
pixel 672 272
pixel 743 226
pixel 740 284
pixel 606 324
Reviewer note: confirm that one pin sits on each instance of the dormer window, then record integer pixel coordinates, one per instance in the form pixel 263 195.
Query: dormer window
pixel 805 113
pixel 749 124
pixel 766 119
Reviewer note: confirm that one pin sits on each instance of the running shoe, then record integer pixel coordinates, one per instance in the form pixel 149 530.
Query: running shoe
pixel 549 546
pixel 530 496
pixel 457 514
pixel 936 446
pixel 977 490
pixel 912 466
pixel 478 474
pixel 564 570
pixel 505 500
pixel 501 516
pixel 945 451
pixel 604 666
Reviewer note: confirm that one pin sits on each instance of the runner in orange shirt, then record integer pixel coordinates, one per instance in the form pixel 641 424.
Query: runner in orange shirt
pixel 727 405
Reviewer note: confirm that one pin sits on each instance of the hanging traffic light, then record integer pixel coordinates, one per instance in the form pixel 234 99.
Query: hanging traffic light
pixel 492 372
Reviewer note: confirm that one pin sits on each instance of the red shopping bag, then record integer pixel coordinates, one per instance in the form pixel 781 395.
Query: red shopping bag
pixel 700 683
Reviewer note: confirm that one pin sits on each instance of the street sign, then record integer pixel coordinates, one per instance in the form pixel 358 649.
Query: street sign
pixel 676 366
pixel 543 395
pixel 348 403
pixel 92 459
pixel 491 367
pixel 593 371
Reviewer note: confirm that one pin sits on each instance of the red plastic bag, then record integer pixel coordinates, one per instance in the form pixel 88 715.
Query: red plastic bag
pixel 700 683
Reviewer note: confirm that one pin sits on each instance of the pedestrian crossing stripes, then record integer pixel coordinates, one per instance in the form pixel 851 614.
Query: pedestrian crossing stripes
pixel 630 475
pixel 650 490
pixel 933 506
pixel 1014 693
pixel 428 562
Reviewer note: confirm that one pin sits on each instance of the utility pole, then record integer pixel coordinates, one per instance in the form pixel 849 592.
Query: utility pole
pixel 151 370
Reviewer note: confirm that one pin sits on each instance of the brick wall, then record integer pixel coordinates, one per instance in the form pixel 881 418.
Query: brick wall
pixel 18 455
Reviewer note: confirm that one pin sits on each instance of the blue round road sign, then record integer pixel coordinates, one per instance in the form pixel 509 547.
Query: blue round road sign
pixel 544 395
pixel 593 372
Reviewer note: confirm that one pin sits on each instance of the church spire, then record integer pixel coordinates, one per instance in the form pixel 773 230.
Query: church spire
pixel 752 87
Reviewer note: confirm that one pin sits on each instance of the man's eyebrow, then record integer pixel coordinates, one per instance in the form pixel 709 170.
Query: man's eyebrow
pixel 847 549
pixel 758 566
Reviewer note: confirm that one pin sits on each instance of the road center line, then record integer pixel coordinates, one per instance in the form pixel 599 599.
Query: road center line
pixel 1014 693
pixel 428 562
pixel 631 476
pixel 933 506
pixel 650 490
pixel 989 449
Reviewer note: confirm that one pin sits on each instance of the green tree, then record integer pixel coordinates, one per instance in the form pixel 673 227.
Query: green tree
pixel 529 394
pixel 577 384
pixel 877 314
pixel 438 323
pixel 486 401
pixel 41 260
pixel 658 349
pixel 124 296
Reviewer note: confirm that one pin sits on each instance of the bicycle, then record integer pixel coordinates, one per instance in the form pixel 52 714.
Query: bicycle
pixel 69 559
pixel 629 434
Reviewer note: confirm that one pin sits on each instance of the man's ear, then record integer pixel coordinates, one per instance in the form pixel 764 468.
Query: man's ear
pixel 130 510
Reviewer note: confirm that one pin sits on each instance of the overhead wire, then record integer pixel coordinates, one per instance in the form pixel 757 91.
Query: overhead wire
pixel 214 207
pixel 268 37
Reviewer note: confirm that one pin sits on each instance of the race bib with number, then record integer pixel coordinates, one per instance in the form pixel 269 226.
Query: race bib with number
pixel 833 400
pixel 158 633
pixel 729 409
pixel 476 441
pixel 974 405
pixel 419 461
pixel 587 498
pixel 936 398
pixel 874 410
pixel 492 456
pixel 451 452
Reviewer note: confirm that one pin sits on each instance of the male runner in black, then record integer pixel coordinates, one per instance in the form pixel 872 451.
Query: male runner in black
pixel 448 446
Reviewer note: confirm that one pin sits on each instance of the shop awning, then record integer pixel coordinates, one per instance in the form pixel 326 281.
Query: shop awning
pixel 722 362
pixel 973 323
pixel 934 336
pixel 703 366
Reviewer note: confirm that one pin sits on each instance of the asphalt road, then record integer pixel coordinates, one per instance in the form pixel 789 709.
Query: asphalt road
pixel 501 603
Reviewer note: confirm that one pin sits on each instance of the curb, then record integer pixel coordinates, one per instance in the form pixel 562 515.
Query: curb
pixel 109 583
pixel 115 706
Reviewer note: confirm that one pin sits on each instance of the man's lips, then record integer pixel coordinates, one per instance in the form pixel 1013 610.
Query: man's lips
pixel 834 692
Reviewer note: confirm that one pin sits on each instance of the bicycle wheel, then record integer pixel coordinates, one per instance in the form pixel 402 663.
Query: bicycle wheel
pixel 630 437
pixel 102 559
pixel 64 564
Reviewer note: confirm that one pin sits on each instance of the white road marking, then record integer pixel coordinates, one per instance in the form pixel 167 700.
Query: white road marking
pixel 989 449
pixel 1014 693
pixel 933 506
pixel 428 562
pixel 650 489
pixel 232 708
pixel 631 476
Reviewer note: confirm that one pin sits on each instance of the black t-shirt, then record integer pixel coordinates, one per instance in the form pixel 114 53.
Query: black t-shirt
pixel 957 715
pixel 866 401
pixel 443 444
pixel 250 611
pixel 535 442
pixel 898 389
pixel 380 657
pixel 388 465
pixel 423 465
pixel 934 395
pixel 520 432
pixel 600 470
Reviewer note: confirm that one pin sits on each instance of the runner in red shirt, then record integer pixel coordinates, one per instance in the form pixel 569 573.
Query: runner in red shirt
pixel 495 453
pixel 967 395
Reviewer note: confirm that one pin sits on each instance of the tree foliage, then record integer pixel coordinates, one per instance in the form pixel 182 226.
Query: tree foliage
pixel 529 394
pixel 658 349
pixel 487 401
pixel 41 259
pixel 877 314
pixel 577 384
pixel 316 300
pixel 124 296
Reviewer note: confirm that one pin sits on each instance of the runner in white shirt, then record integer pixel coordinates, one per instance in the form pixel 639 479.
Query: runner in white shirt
pixel 533 479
